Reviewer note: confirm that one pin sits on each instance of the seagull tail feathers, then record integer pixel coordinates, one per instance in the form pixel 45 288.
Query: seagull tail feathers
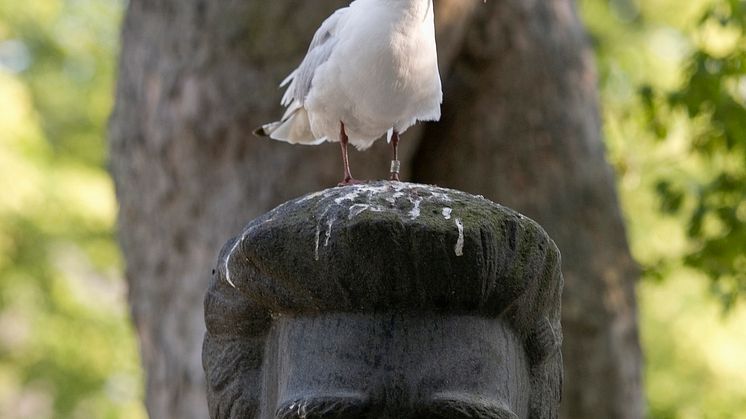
pixel 294 128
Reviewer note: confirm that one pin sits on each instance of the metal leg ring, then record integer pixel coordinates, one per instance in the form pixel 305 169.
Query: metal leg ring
pixel 395 166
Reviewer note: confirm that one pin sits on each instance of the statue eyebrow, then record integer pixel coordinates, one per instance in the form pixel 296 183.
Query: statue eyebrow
pixel 324 407
pixel 353 407
pixel 463 408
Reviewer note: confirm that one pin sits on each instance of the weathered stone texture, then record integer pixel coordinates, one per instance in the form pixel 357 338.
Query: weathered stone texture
pixel 385 261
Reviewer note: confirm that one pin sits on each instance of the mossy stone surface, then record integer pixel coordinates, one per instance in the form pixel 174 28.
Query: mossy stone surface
pixel 388 245
pixel 359 284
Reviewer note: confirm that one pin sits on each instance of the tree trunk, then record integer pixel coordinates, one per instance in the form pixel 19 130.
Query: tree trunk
pixel 521 126
pixel 197 76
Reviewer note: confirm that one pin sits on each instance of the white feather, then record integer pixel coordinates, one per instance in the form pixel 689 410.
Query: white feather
pixel 372 65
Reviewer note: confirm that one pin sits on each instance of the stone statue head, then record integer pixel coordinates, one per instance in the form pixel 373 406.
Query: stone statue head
pixel 386 300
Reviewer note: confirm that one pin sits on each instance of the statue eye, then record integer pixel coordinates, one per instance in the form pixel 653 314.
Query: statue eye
pixel 324 408
pixel 463 409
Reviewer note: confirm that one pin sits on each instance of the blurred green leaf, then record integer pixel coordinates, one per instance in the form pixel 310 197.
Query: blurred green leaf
pixel 713 96
pixel 67 348
pixel 673 87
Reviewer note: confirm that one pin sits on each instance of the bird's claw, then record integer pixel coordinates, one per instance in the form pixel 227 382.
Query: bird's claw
pixel 351 181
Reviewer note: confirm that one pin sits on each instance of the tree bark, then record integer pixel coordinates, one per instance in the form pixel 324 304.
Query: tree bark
pixel 521 126
pixel 197 76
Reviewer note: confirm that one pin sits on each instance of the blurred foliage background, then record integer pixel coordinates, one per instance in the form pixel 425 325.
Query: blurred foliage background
pixel 67 349
pixel 673 87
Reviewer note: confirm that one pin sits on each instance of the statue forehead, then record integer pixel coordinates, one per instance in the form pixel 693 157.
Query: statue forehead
pixel 345 362
pixel 392 333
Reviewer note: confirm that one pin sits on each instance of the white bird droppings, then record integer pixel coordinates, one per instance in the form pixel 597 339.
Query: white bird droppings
pixel 357 209
pixel 227 259
pixel 388 197
pixel 318 236
pixel 460 242
pixel 348 197
pixel 329 225
pixel 233 249
pixel 415 212
pixel 441 196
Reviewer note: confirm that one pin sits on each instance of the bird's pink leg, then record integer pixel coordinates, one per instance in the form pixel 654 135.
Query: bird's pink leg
pixel 343 141
pixel 395 164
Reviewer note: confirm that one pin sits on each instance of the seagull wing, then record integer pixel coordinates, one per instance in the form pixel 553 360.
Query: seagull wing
pixel 299 81
pixel 295 127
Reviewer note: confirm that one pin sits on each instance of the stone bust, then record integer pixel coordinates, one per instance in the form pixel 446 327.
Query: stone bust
pixel 386 300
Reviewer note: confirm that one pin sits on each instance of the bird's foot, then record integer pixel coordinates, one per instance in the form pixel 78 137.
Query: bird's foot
pixel 394 177
pixel 351 181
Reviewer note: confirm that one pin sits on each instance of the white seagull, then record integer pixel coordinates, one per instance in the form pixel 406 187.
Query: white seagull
pixel 371 69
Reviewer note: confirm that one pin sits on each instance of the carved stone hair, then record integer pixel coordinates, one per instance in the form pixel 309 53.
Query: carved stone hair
pixel 380 248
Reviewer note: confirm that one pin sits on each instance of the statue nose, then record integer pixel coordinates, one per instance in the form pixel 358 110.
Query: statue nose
pixel 396 396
